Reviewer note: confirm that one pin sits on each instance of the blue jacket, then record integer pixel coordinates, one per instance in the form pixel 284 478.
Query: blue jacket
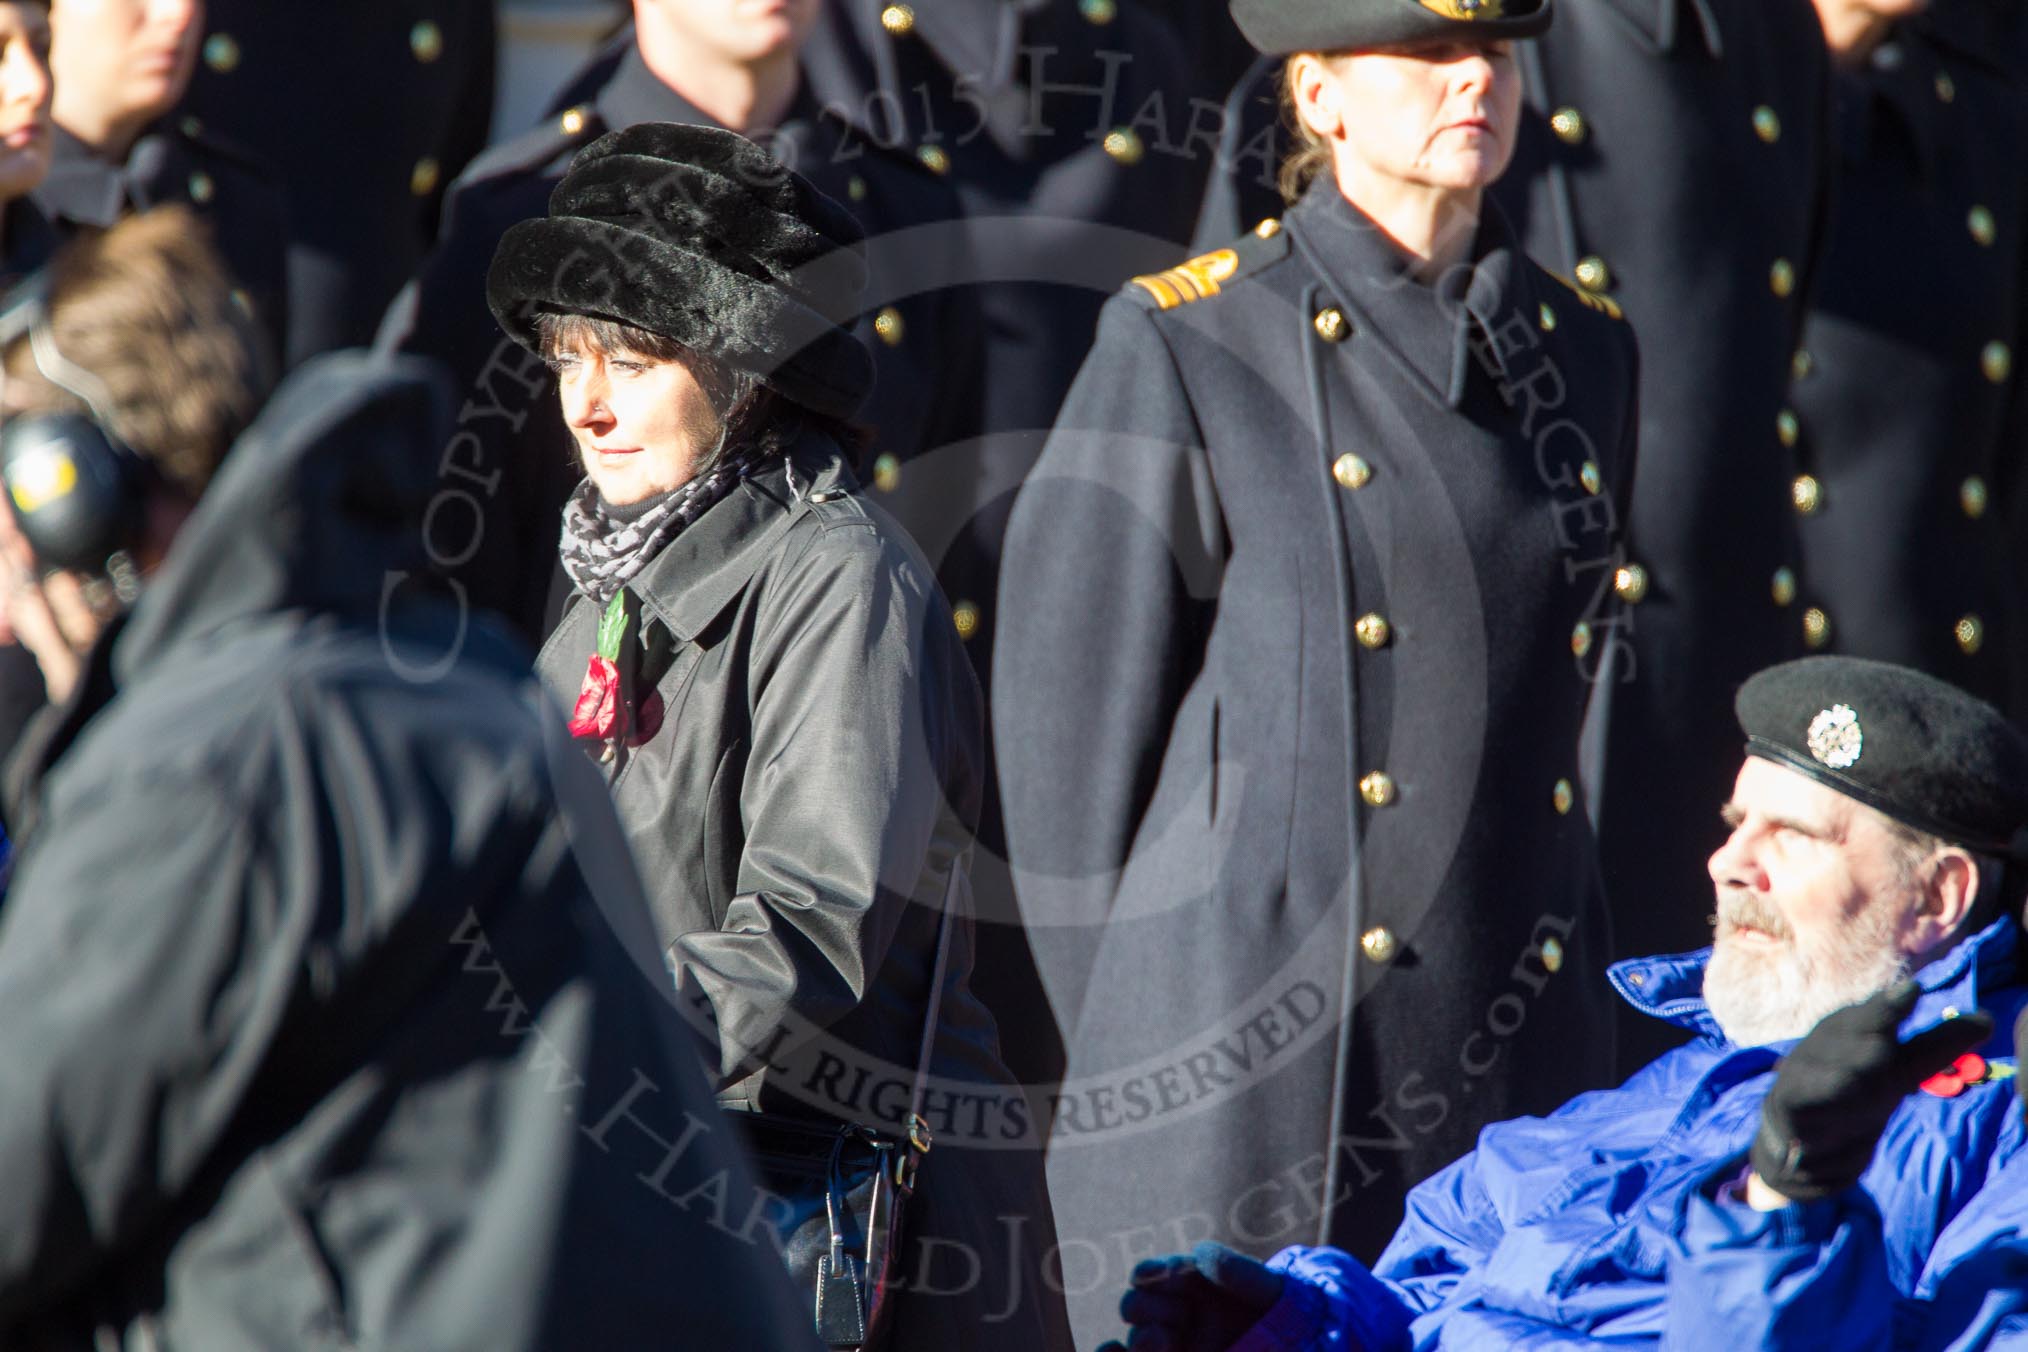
pixel 1561 1229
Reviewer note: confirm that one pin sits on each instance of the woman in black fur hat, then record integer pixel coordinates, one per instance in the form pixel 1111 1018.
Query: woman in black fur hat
pixel 775 687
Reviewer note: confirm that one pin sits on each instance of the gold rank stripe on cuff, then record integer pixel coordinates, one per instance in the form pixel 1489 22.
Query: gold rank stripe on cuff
pixel 1605 305
pixel 1191 281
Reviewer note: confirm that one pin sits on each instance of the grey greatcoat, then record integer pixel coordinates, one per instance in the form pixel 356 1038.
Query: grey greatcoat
pixel 800 815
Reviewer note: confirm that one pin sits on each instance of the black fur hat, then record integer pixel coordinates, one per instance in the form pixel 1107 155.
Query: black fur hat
pixel 699 235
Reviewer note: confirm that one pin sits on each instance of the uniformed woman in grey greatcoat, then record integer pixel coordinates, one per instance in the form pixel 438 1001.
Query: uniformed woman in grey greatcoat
pixel 1301 615
pixel 774 686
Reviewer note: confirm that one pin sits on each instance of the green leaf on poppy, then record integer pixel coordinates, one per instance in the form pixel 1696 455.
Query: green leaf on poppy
pixel 613 627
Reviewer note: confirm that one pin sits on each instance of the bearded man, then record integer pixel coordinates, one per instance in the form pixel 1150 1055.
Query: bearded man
pixel 1869 896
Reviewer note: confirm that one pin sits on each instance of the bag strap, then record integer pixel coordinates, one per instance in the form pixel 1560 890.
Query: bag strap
pixel 918 1130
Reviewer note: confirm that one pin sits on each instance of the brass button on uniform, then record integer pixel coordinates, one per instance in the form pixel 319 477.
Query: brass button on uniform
pixel 1970 633
pixel 1767 124
pixel 1552 955
pixel 1331 324
pixel 1580 639
pixel 426 40
pixel 1124 145
pixel 1592 273
pixel 855 188
pixel 1351 472
pixel 886 472
pixel 1377 788
pixel 889 326
pixel 1786 427
pixel 1996 359
pixel 898 20
pixel 1568 124
pixel 1378 943
pixel 192 126
pixel 572 121
pixel 1946 87
pixel 1547 318
pixel 1563 797
pixel 1816 627
pixel 1783 588
pixel 1372 630
pixel 1781 278
pixel 202 189
pixel 1979 220
pixel 933 159
pixel 1630 583
pixel 1801 364
pixel 1972 497
pixel 1099 12
pixel 221 53
pixel 422 180
pixel 1807 494
pixel 242 300
pixel 965 618
pixel 1268 228
pixel 1588 475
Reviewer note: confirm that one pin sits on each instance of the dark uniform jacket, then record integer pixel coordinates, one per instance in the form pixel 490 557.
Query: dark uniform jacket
pixel 1673 157
pixel 331 1034
pixel 511 439
pixel 1913 417
pixel 366 113
pixel 1303 607
pixel 177 161
pixel 803 809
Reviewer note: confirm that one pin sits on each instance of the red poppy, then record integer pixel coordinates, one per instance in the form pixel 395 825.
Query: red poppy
pixel 1969 1069
pixel 597 712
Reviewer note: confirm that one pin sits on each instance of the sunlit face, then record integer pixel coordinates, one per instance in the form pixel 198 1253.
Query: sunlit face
pixel 739 30
pixel 24 98
pixel 1849 24
pixel 1437 116
pixel 122 61
pixel 1816 908
pixel 641 425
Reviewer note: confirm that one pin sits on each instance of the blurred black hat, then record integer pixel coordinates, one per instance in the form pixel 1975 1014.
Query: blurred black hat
pixel 1283 27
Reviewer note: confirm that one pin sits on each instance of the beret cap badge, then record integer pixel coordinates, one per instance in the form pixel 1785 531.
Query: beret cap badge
pixel 1835 737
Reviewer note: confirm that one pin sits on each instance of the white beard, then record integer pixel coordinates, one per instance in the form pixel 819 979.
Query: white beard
pixel 1760 997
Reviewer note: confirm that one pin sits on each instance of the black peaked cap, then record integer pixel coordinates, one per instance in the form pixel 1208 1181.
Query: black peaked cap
pixel 1284 27
pixel 699 235
pixel 1913 747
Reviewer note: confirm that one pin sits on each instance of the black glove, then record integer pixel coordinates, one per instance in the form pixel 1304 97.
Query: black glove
pixel 1204 1301
pixel 1836 1090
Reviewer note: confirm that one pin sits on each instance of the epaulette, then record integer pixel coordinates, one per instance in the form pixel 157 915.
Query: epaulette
pixel 1208 274
pixel 223 148
pixel 537 147
pixel 1605 305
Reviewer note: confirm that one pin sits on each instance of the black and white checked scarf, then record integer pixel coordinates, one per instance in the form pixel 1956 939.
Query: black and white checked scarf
pixel 602 552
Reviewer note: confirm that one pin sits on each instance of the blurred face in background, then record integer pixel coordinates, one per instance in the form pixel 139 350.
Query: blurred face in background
pixel 24 97
pixel 120 64
pixel 740 31
pixel 1853 28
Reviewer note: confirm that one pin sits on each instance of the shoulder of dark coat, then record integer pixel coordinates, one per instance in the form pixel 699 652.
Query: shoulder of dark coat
pixel 540 148
pixel 1211 274
pixel 222 152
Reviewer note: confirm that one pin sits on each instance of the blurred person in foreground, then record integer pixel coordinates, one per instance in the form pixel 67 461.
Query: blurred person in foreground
pixel 1870 897
pixel 317 951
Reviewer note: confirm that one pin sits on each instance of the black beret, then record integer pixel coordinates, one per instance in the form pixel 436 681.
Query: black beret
pixel 699 235
pixel 1913 747
pixel 1283 27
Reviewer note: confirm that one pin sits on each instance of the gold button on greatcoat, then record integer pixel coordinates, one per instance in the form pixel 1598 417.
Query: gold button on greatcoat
pixel 1268 228
pixel 1972 497
pixel 1552 955
pixel 1767 124
pixel 426 40
pixel 1801 364
pixel 1568 124
pixel 1377 788
pixel 1630 583
pixel 1946 87
pixel 1372 630
pixel 1979 220
pixel 886 472
pixel 1588 475
pixel 933 159
pixel 1781 278
pixel 1580 639
pixel 192 126
pixel 1351 472
pixel 1547 318
pixel 221 53
pixel 889 326
pixel 1996 359
pixel 572 121
pixel 422 180
pixel 1783 587
pixel 202 189
pixel 1807 494
pixel 1786 427
pixel 1331 324
pixel 1592 273
pixel 1378 943
pixel 855 188
pixel 1099 12
pixel 898 20
pixel 1816 628
pixel 1562 797
pixel 1124 145
pixel 1970 633
pixel 965 617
